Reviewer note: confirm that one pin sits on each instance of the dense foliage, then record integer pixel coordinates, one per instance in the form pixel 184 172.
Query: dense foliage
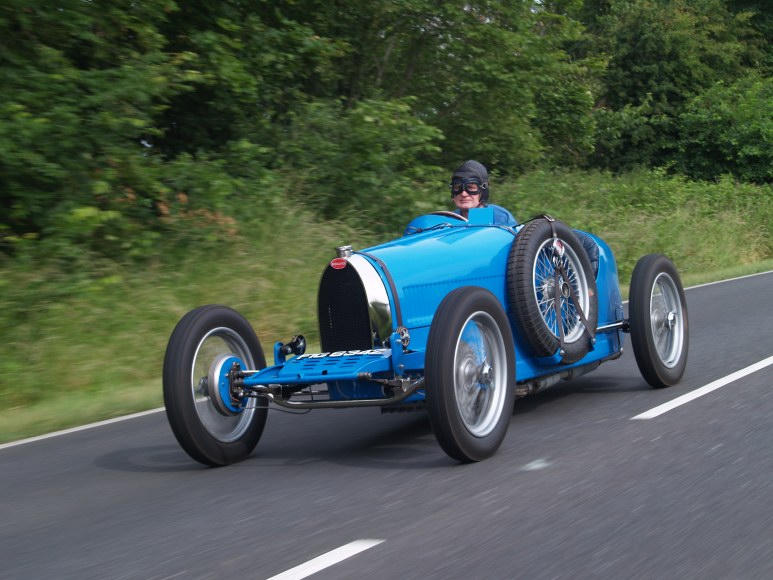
pixel 123 121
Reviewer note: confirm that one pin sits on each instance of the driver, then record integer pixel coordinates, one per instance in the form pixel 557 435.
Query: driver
pixel 469 189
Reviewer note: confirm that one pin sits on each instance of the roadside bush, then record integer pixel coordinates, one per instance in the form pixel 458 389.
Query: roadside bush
pixel 702 226
pixel 729 130
pixel 361 163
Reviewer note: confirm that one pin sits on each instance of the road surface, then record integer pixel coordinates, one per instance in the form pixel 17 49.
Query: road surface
pixel 579 489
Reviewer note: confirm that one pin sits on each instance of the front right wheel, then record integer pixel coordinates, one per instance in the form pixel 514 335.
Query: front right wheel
pixel 470 374
pixel 658 321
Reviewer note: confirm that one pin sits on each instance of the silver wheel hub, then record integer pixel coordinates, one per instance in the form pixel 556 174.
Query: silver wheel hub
pixel 223 426
pixel 666 318
pixel 485 374
pixel 480 384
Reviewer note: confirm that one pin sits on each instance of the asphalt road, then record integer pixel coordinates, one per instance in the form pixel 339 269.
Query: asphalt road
pixel 578 490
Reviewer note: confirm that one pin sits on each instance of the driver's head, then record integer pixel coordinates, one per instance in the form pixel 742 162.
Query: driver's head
pixel 471 177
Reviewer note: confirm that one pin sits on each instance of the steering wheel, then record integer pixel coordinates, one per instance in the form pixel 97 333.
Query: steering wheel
pixel 449 214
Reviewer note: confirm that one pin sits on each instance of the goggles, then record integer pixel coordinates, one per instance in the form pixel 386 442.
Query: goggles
pixel 471 186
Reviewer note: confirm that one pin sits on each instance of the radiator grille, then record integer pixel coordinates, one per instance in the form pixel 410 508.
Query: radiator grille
pixel 344 323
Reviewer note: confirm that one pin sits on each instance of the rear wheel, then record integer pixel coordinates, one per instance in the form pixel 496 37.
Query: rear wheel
pixel 210 427
pixel 658 321
pixel 470 374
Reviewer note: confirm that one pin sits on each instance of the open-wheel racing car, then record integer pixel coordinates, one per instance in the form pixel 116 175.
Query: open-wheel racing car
pixel 458 317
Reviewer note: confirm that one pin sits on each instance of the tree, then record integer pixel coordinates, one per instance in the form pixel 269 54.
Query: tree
pixel 492 75
pixel 661 55
pixel 255 66
pixel 728 130
pixel 81 85
pixel 362 160
pixel 760 14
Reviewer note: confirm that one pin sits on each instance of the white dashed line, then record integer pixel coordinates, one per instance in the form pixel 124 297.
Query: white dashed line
pixel 719 383
pixel 326 560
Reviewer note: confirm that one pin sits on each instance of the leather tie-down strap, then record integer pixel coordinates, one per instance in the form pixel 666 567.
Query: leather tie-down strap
pixel 559 270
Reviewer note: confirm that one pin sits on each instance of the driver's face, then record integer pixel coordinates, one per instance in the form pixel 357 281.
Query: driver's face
pixel 465 201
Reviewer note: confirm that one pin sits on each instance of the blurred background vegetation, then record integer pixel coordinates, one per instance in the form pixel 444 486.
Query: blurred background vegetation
pixel 159 155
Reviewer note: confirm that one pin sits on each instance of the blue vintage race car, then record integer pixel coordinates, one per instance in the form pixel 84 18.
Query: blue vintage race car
pixel 457 317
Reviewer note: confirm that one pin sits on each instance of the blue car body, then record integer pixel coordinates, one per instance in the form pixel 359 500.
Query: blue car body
pixel 457 317
pixel 377 305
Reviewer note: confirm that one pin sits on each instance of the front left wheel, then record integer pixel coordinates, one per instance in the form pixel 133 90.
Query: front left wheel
pixel 210 429
pixel 470 374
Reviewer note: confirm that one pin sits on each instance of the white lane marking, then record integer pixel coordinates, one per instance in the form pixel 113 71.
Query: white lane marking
pixel 536 465
pixel 326 560
pixel 80 428
pixel 665 407
pixel 729 280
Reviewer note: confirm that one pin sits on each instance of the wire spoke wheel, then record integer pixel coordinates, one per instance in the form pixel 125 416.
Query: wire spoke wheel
pixel 550 283
pixel 545 276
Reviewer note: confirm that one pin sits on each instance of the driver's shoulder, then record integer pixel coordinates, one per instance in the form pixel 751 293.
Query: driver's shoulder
pixel 502 216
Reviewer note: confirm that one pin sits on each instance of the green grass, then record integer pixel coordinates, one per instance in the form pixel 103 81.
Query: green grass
pixel 80 346
pixel 699 278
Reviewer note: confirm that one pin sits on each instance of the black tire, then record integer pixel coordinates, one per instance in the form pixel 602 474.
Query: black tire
pixel 657 312
pixel 531 290
pixel 203 429
pixel 470 374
